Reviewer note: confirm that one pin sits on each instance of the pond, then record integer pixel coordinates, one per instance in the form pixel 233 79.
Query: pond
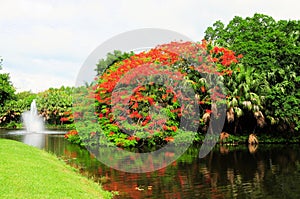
pixel 269 171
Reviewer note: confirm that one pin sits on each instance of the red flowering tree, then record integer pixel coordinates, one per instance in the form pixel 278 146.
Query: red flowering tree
pixel 133 110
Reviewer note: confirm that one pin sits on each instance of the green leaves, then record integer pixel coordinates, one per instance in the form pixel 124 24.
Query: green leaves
pixel 12 110
pixel 55 103
pixel 269 71
pixel 7 91
pixel 111 58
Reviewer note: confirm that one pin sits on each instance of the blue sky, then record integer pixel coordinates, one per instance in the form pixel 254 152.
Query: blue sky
pixel 44 43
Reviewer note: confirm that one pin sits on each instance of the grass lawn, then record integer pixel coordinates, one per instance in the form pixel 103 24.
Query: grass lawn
pixel 27 172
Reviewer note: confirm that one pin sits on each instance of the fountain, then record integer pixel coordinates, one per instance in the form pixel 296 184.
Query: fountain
pixel 35 134
pixel 32 121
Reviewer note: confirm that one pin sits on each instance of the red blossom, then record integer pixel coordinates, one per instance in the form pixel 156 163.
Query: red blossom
pixel 131 138
pixel 203 89
pixel 169 139
pixel 150 100
pixel 135 106
pixel 173 128
pixel 111 133
pixel 64 119
pixel 71 133
pixel 165 128
pixel 208 111
pixel 144 123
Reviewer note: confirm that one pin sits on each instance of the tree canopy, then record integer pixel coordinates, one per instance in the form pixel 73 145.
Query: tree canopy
pixel 271 52
pixel 111 58
pixel 6 88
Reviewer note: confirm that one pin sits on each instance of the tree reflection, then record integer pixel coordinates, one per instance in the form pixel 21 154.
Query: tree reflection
pixel 227 172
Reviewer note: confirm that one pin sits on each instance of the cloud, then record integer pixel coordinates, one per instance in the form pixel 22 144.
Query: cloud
pixel 50 40
pixel 36 82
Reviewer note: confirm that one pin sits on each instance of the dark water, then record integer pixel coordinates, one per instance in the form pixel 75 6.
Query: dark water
pixel 269 171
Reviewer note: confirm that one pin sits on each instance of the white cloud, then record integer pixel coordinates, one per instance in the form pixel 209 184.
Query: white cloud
pixel 44 43
pixel 36 82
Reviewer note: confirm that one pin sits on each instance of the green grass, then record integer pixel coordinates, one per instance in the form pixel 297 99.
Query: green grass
pixel 27 172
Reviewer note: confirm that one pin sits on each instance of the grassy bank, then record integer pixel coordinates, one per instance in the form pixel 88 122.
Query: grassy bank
pixel 27 172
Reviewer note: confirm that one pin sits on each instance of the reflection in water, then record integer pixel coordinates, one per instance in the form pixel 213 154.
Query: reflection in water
pixel 252 148
pixel 35 139
pixel 227 172
pixel 273 171
pixel 48 140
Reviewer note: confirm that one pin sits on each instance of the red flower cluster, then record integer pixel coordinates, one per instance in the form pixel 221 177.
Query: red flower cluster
pixel 64 119
pixel 71 133
pixel 113 75
pixel 205 59
pixel 224 56
pixel 169 139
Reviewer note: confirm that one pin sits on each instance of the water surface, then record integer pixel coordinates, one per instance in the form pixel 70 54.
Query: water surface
pixel 269 171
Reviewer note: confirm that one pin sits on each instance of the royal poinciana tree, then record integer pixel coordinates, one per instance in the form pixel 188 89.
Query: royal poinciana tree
pixel 270 68
pixel 134 112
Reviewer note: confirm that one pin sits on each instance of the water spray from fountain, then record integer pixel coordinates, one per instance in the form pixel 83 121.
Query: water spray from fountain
pixel 32 121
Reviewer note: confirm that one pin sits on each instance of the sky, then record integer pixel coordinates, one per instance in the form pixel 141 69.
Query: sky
pixel 44 43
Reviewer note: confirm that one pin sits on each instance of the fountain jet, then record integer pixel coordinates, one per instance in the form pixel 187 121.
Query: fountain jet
pixel 32 121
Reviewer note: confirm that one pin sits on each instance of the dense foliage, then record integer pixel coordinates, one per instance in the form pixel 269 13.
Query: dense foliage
pixel 7 90
pixel 55 105
pixel 269 69
pixel 257 59
pixel 12 110
pixel 7 93
pixel 133 111
pixel 110 59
